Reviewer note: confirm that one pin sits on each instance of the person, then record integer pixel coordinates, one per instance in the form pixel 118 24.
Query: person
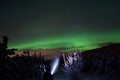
pixel 47 75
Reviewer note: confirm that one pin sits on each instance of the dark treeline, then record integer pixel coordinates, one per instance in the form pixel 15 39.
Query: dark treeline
pixel 23 67
pixel 104 61
pixel 101 61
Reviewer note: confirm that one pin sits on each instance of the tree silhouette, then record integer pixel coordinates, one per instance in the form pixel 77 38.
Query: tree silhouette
pixel 4 51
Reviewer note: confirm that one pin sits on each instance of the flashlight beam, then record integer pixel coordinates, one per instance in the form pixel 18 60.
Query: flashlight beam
pixel 54 65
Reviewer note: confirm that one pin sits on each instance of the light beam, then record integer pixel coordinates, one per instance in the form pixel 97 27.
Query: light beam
pixel 54 65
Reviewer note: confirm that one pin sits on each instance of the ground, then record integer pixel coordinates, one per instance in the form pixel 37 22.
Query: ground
pixel 60 75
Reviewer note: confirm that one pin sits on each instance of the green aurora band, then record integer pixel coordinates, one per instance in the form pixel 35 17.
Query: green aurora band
pixel 76 41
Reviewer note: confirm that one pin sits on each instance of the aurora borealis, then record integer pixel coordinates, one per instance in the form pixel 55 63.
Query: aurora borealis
pixel 82 24
pixel 82 42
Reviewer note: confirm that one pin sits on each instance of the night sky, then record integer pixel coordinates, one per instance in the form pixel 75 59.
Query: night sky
pixel 50 24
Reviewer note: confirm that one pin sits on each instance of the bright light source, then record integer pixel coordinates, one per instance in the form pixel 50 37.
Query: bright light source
pixel 54 65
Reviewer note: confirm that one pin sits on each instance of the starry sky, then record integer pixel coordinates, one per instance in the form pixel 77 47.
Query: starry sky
pixel 47 24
